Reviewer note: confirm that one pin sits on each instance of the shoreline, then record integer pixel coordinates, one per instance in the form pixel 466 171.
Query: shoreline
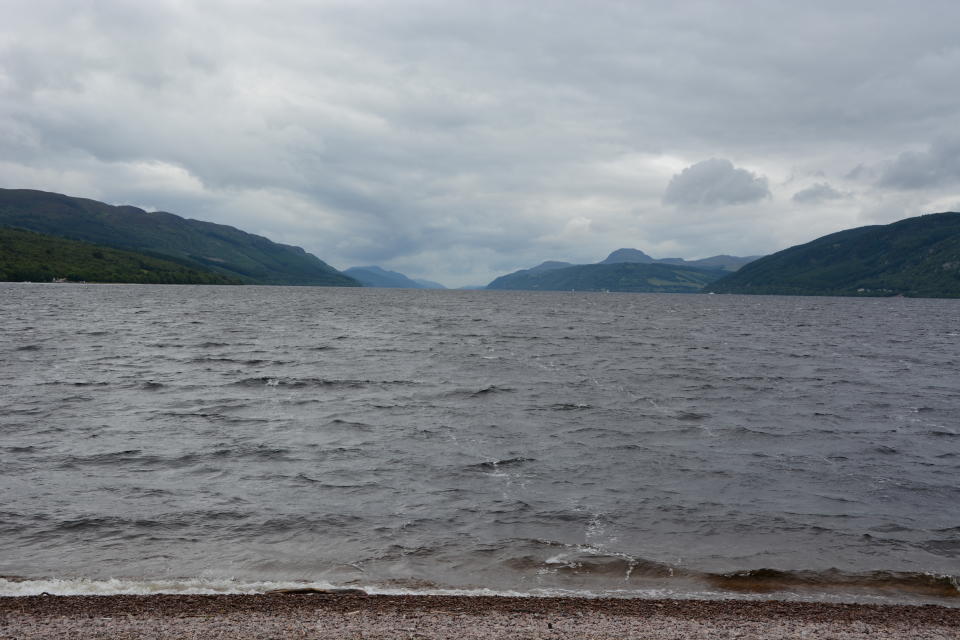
pixel 336 615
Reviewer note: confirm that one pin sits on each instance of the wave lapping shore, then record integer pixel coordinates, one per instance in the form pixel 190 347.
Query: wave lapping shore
pixel 329 616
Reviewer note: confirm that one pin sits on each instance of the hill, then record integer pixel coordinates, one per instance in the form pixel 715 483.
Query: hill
pixel 918 257
pixel 725 262
pixel 627 255
pixel 203 245
pixel 676 275
pixel 622 277
pixel 374 276
pixel 550 265
pixel 428 284
pixel 35 257
pixel 519 276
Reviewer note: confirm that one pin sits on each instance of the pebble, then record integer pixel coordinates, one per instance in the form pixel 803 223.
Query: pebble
pixel 459 618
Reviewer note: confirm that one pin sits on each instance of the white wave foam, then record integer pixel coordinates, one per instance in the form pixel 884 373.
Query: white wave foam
pixel 118 586
pixel 229 586
pixel 195 586
pixel 213 586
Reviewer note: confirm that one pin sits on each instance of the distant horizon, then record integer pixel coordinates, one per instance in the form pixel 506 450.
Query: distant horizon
pixel 367 266
pixel 436 280
pixel 413 277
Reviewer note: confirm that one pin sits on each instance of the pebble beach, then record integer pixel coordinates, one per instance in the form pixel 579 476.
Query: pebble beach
pixel 348 616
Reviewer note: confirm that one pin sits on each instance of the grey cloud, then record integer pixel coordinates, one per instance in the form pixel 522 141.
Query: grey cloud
pixel 937 166
pixel 715 183
pixel 817 193
pixel 856 172
pixel 446 132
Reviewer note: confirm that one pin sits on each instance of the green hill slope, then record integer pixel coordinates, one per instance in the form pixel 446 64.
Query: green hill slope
pixel 623 277
pixel 918 257
pixel 36 257
pixel 226 250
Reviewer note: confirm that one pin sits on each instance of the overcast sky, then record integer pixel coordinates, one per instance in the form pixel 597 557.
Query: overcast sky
pixel 460 140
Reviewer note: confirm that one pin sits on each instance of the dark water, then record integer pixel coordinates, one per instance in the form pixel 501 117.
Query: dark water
pixel 223 437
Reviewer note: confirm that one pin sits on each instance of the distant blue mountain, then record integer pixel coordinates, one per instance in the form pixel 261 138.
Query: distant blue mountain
pixel 619 276
pixel 725 262
pixel 623 270
pixel 428 284
pixel 374 276
pixel 627 255
pixel 550 265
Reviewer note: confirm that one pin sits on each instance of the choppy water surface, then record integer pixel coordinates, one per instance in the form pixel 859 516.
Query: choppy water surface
pixel 509 441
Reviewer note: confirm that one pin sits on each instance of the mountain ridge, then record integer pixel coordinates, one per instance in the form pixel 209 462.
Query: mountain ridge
pixel 627 255
pixel 722 261
pixel 626 277
pixel 375 276
pixel 429 284
pixel 915 257
pixel 220 248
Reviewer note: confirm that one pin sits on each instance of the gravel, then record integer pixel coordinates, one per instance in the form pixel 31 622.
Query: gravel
pixel 458 617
